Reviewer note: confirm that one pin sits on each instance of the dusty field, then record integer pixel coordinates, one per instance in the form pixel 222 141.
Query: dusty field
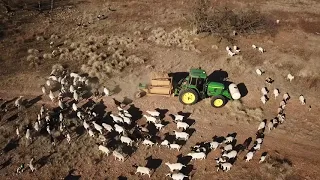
pixel 293 148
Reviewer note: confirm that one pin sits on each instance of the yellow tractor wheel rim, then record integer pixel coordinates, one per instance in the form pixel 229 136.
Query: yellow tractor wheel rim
pixel 218 102
pixel 188 98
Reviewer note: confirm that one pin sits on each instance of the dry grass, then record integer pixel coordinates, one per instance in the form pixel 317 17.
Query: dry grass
pixel 241 112
pixel 277 167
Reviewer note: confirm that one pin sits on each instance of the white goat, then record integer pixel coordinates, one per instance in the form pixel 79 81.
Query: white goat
pixel 126 140
pixel 68 138
pixel 302 99
pixel 125 119
pixel 104 149
pixel 257 147
pixel 159 126
pixel 261 50
pixel 254 46
pixel 116 118
pixel 264 91
pixel 106 91
pixel 214 145
pixel 177 176
pixel 150 119
pixel 31 166
pixel 18 102
pixel 97 127
pixel 18 132
pixel 178 117
pixel 86 125
pixel 165 143
pixel 71 88
pixel 175 166
pixel 230 155
pixel 181 135
pixel 153 113
pixel 276 93
pixel 118 129
pixel 74 107
pixel 36 126
pixel 197 155
pixel 28 135
pixel 118 156
pixel 182 125
pixel 249 156
pixel 270 125
pixel 75 96
pixel 286 96
pixel 290 77
pixel 228 147
pixel 262 158
pixel 225 166
pixel 262 125
pixel 147 142
pixel 264 99
pixel 143 171
pixel 175 146
pixel 229 139
pixel 91 133
pixel 51 96
pixel 107 127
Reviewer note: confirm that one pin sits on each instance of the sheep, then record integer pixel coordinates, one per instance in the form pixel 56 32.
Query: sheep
pixel 159 126
pixel 264 91
pixel 175 166
pixel 263 157
pixel 86 125
pixel 97 127
pixel 74 107
pixel 118 156
pixel 125 119
pixel 107 127
pixel 181 135
pixel 18 132
pixel 228 147
pixel 51 96
pixel 197 155
pixel 118 129
pixel 177 176
pixel 143 171
pixel 178 117
pixel 264 99
pixel 153 113
pixel 214 145
pixel 262 125
pixel 182 125
pixel 106 91
pixel 32 168
pixel 126 140
pixel 75 96
pixel 261 50
pixel 68 138
pixel 290 77
pixel 116 118
pixel 249 156
pixel 28 135
pixel 91 133
pixel 150 119
pixel 225 166
pixel 286 97
pixel 302 99
pixel 18 102
pixel 104 149
pixel 175 146
pixel 147 142
pixel 229 139
pixel 36 126
pixel 165 143
pixel 230 155
pixel 276 93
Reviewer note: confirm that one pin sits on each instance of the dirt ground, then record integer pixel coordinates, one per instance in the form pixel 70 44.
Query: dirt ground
pixel 293 147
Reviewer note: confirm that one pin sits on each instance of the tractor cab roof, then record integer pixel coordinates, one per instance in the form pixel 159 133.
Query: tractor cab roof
pixel 198 73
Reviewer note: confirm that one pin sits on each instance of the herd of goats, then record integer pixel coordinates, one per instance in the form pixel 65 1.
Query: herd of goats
pixel 118 131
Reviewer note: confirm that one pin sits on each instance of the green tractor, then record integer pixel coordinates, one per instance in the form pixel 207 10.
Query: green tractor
pixel 196 86
pixel 191 89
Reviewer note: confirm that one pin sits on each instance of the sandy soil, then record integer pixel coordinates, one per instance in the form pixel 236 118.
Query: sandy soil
pixel 293 148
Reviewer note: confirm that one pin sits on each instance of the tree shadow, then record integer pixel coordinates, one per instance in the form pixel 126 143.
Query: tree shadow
pixel 243 89
pixel 6 163
pixel 162 112
pixel 153 163
pixel 31 102
pixel 218 76
pixel 70 176
pixel 12 144
pixel 183 159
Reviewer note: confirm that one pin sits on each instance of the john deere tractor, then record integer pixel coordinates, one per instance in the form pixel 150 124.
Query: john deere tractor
pixel 196 86
pixel 191 89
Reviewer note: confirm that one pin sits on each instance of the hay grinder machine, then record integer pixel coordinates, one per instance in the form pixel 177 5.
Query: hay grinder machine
pixel 191 89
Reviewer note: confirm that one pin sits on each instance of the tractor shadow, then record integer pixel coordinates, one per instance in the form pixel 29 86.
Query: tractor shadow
pixel 176 77
pixel 218 76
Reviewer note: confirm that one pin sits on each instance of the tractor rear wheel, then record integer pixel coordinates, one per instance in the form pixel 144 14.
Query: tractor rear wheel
pixel 188 96
pixel 218 101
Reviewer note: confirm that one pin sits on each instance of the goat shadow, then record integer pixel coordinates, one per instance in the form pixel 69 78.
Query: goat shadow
pixel 31 102
pixel 70 176
pixel 135 113
pixel 43 160
pixel 12 144
pixel 234 135
pixel 242 89
pixel 183 159
pixel 190 122
pixel 152 129
pixel 247 143
pixel 99 108
pixel 185 114
pixel 218 139
pixel 218 76
pixel 187 170
pixel 6 163
pixel 122 178
pixel 171 138
pixel 162 112
pixel 153 163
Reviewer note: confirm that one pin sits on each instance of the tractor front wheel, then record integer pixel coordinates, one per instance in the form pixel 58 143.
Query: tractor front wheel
pixel 218 101
pixel 188 96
